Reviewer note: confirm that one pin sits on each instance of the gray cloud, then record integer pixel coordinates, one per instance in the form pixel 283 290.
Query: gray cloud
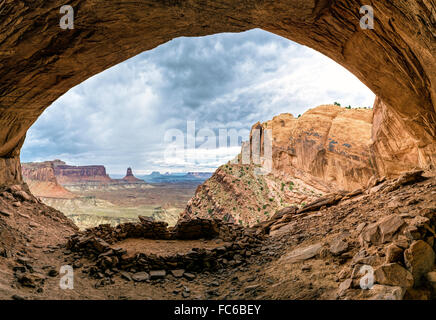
pixel 119 117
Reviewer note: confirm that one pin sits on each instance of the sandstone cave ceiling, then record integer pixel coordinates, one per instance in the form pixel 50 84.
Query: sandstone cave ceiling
pixel 39 61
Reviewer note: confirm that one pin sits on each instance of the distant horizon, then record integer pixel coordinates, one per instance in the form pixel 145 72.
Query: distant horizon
pixel 122 174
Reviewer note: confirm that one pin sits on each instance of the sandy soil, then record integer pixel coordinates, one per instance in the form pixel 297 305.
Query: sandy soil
pixel 165 247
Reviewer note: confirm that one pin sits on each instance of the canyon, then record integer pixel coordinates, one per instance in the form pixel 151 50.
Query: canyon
pixel 89 196
pixel 349 188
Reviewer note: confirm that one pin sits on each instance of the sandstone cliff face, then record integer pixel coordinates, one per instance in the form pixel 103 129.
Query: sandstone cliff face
pixel 80 174
pixel 39 61
pixel 394 149
pixel 327 149
pixel 42 182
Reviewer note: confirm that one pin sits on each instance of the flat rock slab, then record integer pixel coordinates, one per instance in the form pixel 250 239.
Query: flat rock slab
pixel 140 276
pixel 178 273
pixel 393 274
pixel 189 276
pixel 389 226
pixel 126 275
pixel 282 230
pixel 302 254
pixel 382 292
pixel 157 274
pixel 338 246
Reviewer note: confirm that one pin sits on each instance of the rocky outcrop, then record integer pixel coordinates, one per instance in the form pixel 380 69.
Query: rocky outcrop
pixel 325 150
pixel 327 147
pixel 40 61
pixel 380 239
pixel 48 179
pixel 41 179
pixel 131 178
pixel 235 193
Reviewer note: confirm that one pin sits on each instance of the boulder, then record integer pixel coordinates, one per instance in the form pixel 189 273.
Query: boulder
pixel 382 292
pixel 178 273
pixel 338 246
pixel 394 253
pixel 409 178
pixel 344 286
pixel 328 200
pixel 31 280
pixel 370 234
pixel 24 196
pixel 140 276
pixel 285 211
pixel 189 276
pixel 419 259
pixel 382 231
pixel 393 274
pixel 126 276
pixel 157 274
pixel 302 254
pixel 5 212
pixel 360 227
pixel 389 226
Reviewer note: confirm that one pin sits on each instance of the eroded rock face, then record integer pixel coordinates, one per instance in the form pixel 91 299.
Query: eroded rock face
pixel 328 146
pixel 40 62
pixel 42 181
pixel 394 149
pixel 66 174
pixel 130 177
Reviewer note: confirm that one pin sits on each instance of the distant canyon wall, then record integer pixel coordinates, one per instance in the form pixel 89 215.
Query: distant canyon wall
pixel 42 181
pixel 56 179
pixel 66 174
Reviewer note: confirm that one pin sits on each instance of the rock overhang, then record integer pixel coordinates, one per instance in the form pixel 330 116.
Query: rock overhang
pixel 396 60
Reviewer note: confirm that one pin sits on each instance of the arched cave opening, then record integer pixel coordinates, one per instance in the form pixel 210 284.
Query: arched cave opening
pixel 40 62
pixel 125 117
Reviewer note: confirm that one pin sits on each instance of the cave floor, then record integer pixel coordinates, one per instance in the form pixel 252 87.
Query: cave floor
pixel 35 235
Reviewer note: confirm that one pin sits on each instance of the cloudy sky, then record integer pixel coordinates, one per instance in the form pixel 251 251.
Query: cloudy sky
pixel 135 113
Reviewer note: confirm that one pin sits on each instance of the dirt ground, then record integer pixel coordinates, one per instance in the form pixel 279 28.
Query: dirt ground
pixel 35 235
pixel 165 247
